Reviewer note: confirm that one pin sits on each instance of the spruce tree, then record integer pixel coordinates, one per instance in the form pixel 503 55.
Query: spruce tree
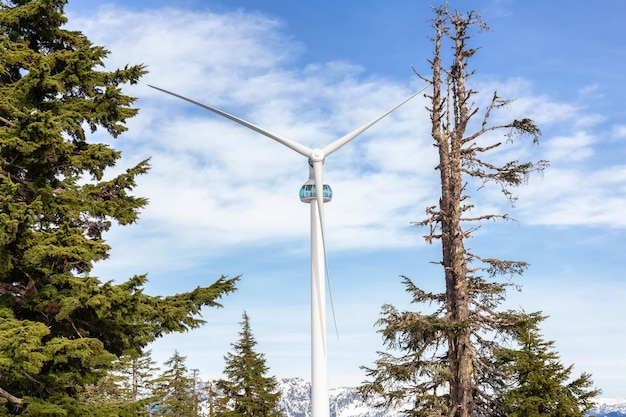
pixel 443 360
pixel 110 389
pixel 247 391
pixel 196 393
pixel 129 381
pixel 537 383
pixel 214 400
pixel 60 327
pixel 175 390
pixel 138 373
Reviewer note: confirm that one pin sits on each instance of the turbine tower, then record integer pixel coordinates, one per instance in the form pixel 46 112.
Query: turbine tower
pixel 315 192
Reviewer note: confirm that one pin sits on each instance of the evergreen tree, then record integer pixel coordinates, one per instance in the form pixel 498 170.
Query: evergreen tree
pixel 175 391
pixel 537 382
pixel 138 375
pixel 444 359
pixel 61 328
pixel 196 394
pixel 129 381
pixel 214 400
pixel 247 392
pixel 107 390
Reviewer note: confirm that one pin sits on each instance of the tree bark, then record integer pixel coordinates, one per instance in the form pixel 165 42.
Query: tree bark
pixel 449 119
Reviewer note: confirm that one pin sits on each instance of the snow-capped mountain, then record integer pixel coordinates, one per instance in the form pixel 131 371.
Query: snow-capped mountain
pixel 610 407
pixel 346 402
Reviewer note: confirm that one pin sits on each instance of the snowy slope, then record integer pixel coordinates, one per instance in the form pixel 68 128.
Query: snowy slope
pixel 346 402
pixel 610 407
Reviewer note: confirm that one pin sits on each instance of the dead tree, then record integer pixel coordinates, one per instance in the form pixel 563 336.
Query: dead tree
pixel 446 363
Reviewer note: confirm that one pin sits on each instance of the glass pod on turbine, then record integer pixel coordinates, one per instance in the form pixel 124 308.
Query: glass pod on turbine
pixel 308 193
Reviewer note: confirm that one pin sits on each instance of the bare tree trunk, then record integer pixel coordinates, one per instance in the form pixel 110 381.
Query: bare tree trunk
pixel 449 116
pixel 457 291
pixel 447 351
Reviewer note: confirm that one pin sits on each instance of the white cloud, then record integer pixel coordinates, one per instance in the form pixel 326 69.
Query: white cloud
pixel 526 102
pixel 619 131
pixel 215 185
pixel 217 189
pixel 569 149
pixel 218 184
pixel 206 54
pixel 572 197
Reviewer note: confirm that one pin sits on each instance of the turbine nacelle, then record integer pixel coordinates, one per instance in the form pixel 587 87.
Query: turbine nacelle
pixel 308 192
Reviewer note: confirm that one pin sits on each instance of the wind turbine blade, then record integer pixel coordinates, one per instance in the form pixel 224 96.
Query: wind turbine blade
pixel 319 193
pixel 301 149
pixel 328 149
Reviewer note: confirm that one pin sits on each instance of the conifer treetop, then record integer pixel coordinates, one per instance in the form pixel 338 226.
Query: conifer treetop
pixel 61 327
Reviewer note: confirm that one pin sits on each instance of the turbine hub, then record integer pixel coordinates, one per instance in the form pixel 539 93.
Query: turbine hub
pixel 317 155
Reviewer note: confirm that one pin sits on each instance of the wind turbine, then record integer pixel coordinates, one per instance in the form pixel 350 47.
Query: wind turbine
pixel 316 193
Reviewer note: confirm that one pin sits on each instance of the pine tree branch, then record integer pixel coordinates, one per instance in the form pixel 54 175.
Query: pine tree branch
pixel 6 121
pixel 74 327
pixel 10 397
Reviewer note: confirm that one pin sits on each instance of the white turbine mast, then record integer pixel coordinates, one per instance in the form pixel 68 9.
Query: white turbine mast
pixel 315 192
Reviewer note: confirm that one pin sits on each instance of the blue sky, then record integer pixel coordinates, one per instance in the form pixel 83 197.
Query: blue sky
pixel 225 200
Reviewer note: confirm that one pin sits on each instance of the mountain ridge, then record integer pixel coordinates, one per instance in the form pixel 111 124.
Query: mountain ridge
pixel 347 402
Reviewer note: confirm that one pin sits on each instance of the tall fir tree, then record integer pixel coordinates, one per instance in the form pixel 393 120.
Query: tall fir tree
pixel 61 328
pixel 247 391
pixel 444 360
